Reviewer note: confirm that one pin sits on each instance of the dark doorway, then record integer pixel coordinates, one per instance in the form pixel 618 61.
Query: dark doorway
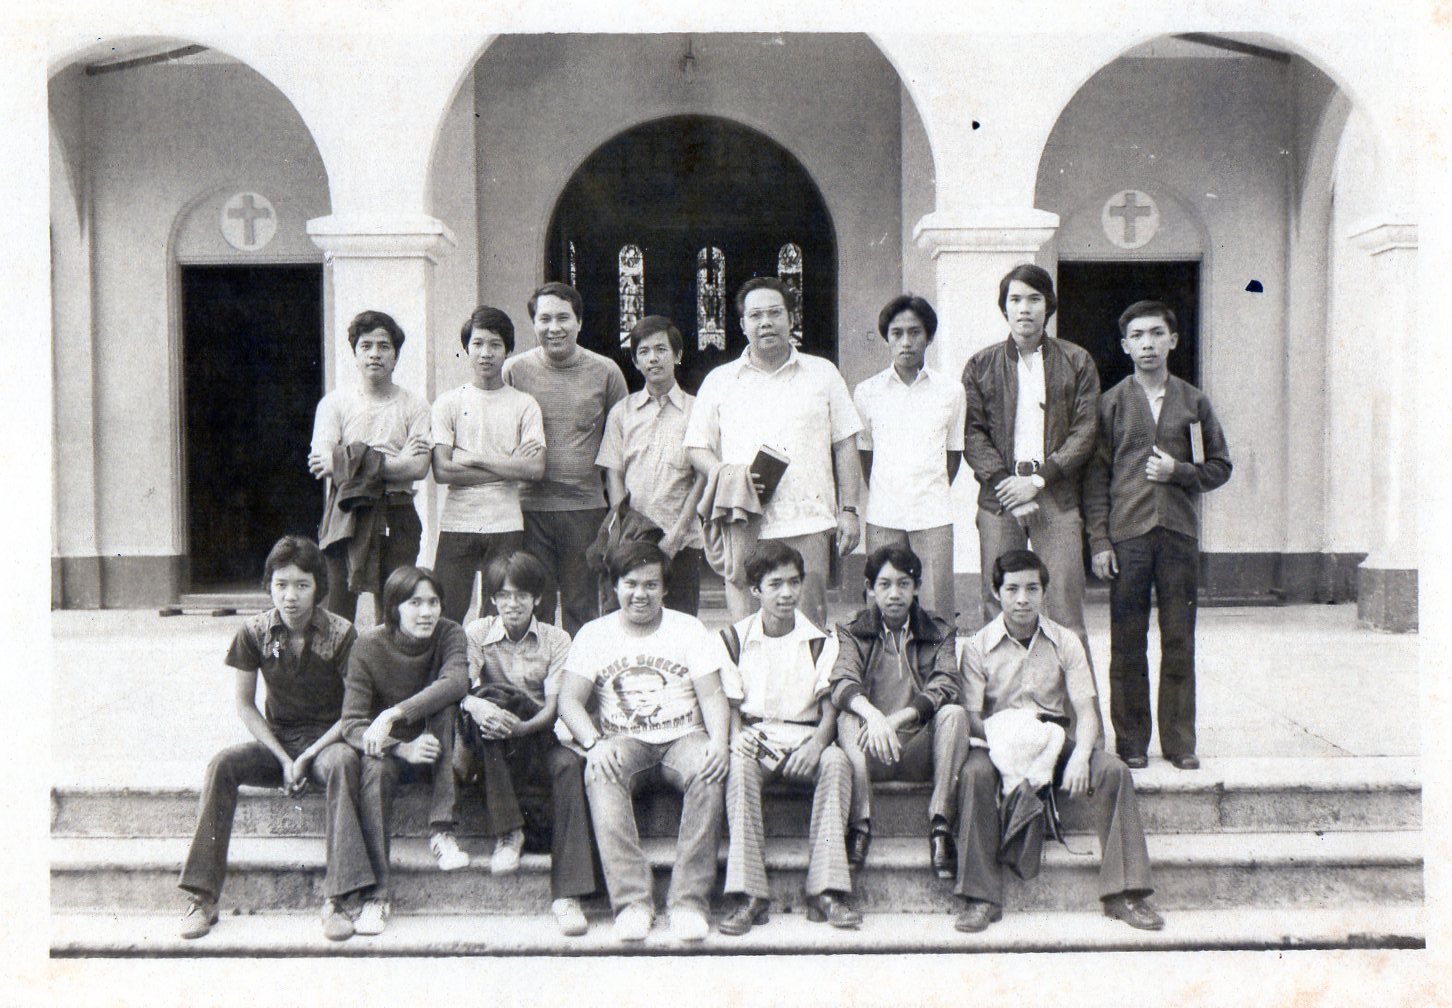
pixel 252 339
pixel 672 188
pixel 1092 294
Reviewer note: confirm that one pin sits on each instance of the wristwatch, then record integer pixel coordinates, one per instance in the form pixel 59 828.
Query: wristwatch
pixel 1037 481
pixel 587 748
pixel 849 509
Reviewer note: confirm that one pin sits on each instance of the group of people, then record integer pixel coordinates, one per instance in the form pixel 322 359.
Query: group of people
pixel 564 490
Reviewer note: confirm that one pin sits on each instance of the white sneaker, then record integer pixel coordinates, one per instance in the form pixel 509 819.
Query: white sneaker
pixel 689 925
pixel 446 849
pixel 633 923
pixel 505 858
pixel 373 918
pixel 569 916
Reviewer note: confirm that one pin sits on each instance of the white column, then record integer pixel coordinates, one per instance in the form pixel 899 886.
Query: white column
pixel 972 249
pixel 384 263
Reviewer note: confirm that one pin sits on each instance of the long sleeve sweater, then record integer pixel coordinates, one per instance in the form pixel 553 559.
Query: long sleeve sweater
pixel 1120 501
pixel 418 677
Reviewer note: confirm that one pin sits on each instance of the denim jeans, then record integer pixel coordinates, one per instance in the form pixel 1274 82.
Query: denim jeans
pixel 379 777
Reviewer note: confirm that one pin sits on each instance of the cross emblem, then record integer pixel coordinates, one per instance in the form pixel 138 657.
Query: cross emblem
pixel 1129 211
pixel 249 213
pixel 1130 218
pixel 248 221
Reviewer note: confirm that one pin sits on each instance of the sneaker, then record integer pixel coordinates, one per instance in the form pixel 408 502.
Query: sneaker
pixel 337 925
pixel 373 918
pixel 633 923
pixel 199 918
pixel 446 849
pixel 505 858
pixel 569 916
pixel 689 925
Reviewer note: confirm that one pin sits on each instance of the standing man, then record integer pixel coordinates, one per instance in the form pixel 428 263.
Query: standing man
pixel 1024 661
pixel 798 405
pixel 1030 432
pixel 393 422
pixel 911 444
pixel 488 437
pixel 575 389
pixel 644 457
pixel 1159 448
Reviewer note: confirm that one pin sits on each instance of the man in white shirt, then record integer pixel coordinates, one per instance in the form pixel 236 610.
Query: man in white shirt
pixel 798 405
pixel 911 444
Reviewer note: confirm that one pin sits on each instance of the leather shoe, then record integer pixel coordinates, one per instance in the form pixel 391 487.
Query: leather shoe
pixel 978 915
pixel 751 910
pixel 1186 761
pixel 859 841
pixel 1136 762
pixel 1133 911
pixel 945 857
pixel 832 909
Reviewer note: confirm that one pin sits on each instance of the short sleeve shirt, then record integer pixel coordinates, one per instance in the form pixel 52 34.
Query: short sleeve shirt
pixel 801 409
pixel 345 416
pixel 494 421
pixel 644 686
pixel 777 682
pixel 909 429
pixel 535 663
pixel 306 695
pixel 1047 677
pixel 645 442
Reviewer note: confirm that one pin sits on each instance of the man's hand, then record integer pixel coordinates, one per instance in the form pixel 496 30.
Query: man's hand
pixel 1105 565
pixel 1024 513
pixel 1076 773
pixel 1015 491
pixel 289 775
pixel 756 484
pixel 849 531
pixel 878 738
pixel 530 449
pixel 422 750
pixel 670 543
pixel 494 721
pixel 376 735
pixel 417 446
pixel 1159 467
pixel 713 770
pixel 744 745
pixel 299 769
pixel 320 464
pixel 802 762
pixel 603 761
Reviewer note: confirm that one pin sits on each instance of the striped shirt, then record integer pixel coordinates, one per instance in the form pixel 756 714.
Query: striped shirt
pixel 644 441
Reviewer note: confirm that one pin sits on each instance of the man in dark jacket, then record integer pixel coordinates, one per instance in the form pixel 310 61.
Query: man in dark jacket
pixel 896 684
pixel 1030 431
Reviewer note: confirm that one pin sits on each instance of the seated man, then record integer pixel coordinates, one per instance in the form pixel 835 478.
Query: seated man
pixel 896 684
pixel 655 675
pixel 1023 659
pixel 782 726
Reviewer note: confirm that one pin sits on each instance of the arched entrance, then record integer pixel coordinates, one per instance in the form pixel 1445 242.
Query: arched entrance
pixel 671 217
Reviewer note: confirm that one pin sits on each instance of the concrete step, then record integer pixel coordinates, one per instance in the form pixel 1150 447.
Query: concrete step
pixel 1226 795
pixel 1191 871
pixel 1365 926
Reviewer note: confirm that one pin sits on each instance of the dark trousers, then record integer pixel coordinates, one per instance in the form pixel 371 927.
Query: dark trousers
pixel 459 556
pixel 398 548
pixel 529 760
pixel 1124 867
pixel 379 777
pixel 559 540
pixel 1170 562
pixel 932 752
pixel 252 763
pixel 682 584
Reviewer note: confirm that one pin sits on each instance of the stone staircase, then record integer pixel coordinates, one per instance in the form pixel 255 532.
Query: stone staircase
pixel 1247 854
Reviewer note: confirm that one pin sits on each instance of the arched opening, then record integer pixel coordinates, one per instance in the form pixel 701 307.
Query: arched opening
pixel 671 217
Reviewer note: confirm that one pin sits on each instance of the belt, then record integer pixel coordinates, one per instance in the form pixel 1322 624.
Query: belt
pixel 398 497
pixel 1062 722
pixel 1026 468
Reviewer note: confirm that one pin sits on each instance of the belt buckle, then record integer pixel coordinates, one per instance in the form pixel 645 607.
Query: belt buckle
pixel 1025 468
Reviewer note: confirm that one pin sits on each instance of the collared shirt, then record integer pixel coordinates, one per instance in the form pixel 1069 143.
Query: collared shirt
pixel 801 409
pixel 1047 677
pixel 644 441
pixel 304 693
pixel 535 663
pixel 1156 400
pixel 909 429
pixel 345 416
pixel 495 421
pixel 776 681
pixel 1028 423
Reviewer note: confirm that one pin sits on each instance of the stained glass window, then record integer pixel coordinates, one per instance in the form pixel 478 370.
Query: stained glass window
pixel 711 299
pixel 789 271
pixel 632 290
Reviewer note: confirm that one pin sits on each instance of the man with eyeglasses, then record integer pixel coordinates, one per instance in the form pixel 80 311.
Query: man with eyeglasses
pixel 798 405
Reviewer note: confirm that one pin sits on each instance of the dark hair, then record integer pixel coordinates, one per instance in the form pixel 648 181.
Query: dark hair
pixel 649 326
pixel 908 302
pixel 769 554
pixel 1036 277
pixel 765 283
pixel 899 556
pixel 1147 309
pixel 490 318
pixel 1019 560
pixel 302 553
pixel 365 322
pixel 634 555
pixel 564 292
pixel 524 569
pixel 399 588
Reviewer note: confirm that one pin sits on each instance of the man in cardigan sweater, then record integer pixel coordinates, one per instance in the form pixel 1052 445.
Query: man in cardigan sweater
pixel 1159 448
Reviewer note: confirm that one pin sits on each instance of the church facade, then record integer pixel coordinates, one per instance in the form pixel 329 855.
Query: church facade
pixel 222 204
